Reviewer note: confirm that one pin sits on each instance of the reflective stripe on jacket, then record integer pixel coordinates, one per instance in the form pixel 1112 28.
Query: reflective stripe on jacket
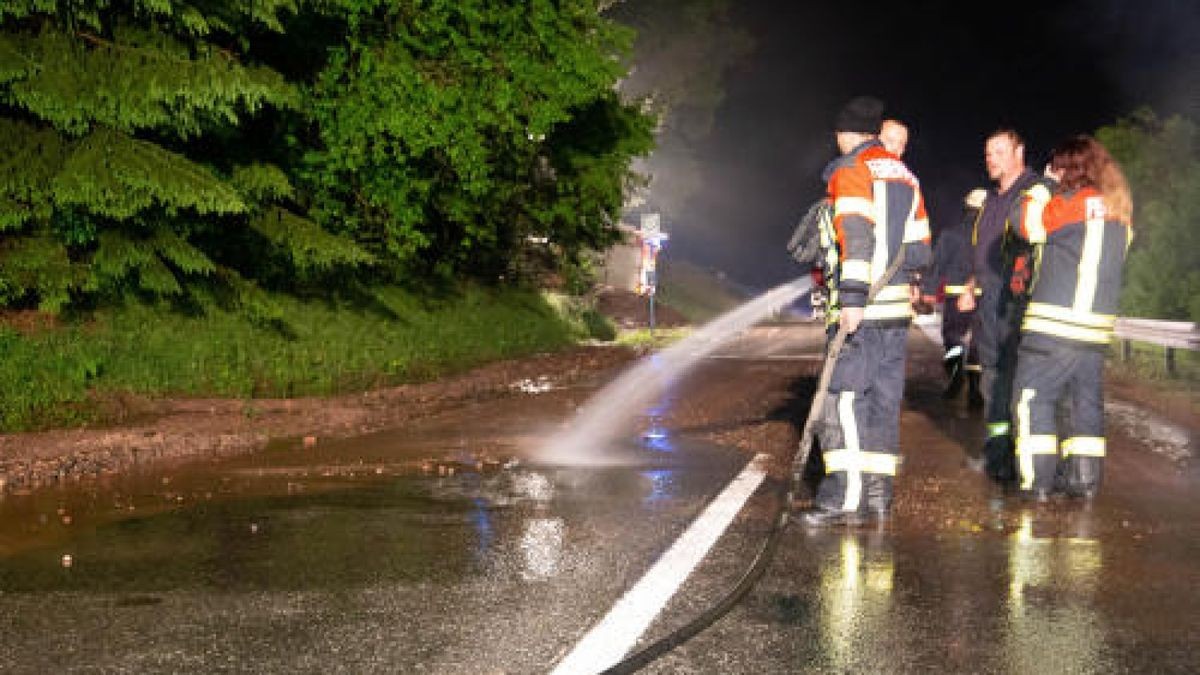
pixel 877 206
pixel 1078 281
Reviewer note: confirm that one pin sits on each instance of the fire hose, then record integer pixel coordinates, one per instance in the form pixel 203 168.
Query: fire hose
pixel 758 565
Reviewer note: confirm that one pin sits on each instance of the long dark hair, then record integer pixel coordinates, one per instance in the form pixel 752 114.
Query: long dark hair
pixel 1081 161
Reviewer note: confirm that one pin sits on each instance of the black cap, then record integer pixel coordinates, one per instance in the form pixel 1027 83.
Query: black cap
pixel 863 114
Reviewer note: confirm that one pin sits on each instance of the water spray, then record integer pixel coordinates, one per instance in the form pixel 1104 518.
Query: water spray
pixel 758 565
pixel 589 438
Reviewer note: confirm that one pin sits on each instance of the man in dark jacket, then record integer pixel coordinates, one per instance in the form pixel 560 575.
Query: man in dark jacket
pixel 998 302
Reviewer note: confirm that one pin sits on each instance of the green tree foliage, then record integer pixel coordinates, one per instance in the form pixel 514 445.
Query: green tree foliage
pixel 117 120
pixel 452 132
pixel 1161 159
pixel 166 148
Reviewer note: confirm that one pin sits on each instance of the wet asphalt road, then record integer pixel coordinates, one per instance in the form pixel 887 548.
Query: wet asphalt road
pixel 438 549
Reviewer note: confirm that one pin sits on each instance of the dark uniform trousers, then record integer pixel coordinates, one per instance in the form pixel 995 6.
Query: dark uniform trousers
pixel 955 324
pixel 1050 369
pixel 996 337
pixel 860 423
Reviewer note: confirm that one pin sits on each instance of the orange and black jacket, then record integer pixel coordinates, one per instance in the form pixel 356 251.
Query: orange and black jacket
pixel 877 206
pixel 1078 280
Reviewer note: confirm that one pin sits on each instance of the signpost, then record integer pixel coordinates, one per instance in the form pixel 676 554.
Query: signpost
pixel 651 237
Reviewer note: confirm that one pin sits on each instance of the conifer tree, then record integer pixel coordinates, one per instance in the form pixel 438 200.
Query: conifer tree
pixel 112 180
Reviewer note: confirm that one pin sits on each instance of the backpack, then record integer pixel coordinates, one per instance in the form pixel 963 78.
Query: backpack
pixel 807 246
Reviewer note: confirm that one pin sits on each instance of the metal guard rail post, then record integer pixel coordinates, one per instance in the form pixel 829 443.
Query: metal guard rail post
pixel 1170 335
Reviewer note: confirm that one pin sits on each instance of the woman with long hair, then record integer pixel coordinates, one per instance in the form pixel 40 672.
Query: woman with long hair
pixel 1083 229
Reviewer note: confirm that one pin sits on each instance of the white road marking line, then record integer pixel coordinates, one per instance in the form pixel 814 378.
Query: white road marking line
pixel 608 641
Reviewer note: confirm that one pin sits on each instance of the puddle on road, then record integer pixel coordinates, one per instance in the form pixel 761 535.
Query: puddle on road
pixel 333 515
pixel 1160 435
pixel 286 517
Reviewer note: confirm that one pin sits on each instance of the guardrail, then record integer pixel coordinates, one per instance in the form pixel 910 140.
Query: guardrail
pixel 1170 335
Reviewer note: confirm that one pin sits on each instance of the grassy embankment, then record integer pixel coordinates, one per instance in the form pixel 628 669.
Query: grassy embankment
pixel 1148 362
pixel 74 373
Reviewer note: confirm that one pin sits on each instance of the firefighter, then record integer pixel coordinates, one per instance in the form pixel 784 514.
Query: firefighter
pixel 878 214
pixel 1084 228
pixel 949 273
pixel 894 136
pixel 995 330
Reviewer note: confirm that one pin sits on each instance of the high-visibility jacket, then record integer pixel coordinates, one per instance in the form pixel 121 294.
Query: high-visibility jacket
pixel 877 206
pixel 1078 279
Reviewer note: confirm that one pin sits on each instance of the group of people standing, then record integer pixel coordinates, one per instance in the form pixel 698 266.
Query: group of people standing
pixel 1029 281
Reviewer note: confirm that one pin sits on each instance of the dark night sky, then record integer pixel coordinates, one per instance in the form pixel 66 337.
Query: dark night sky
pixel 952 70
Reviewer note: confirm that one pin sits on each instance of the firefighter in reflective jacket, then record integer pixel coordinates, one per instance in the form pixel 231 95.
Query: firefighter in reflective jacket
pixel 878 215
pixel 949 273
pixel 1085 230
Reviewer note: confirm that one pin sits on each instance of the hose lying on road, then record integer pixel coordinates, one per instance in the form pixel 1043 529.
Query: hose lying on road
pixel 646 655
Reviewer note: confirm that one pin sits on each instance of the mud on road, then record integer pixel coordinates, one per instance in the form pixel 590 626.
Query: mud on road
pixel 179 430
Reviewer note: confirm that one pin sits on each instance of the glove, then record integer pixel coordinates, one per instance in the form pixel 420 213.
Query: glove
pixel 1022 272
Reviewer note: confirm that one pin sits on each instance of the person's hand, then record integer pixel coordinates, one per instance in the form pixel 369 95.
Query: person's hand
pixel 966 301
pixel 851 318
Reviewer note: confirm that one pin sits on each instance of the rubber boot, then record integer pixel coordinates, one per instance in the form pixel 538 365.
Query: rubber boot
pixel 1083 475
pixel 974 395
pixel 822 517
pixel 827 510
pixel 953 364
pixel 999 456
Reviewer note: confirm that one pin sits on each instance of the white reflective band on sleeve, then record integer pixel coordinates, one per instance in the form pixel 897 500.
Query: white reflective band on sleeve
pixel 856 270
pixel 916 230
pixel 956 290
pixel 861 461
pixel 1085 318
pixel 1089 446
pixel 891 310
pixel 1040 193
pixel 1034 225
pixel 859 206
pixel 1057 328
pixel 895 293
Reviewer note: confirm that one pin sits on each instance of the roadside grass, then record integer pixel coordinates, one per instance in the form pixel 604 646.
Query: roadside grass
pixel 1148 361
pixel 70 374
pixel 647 340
